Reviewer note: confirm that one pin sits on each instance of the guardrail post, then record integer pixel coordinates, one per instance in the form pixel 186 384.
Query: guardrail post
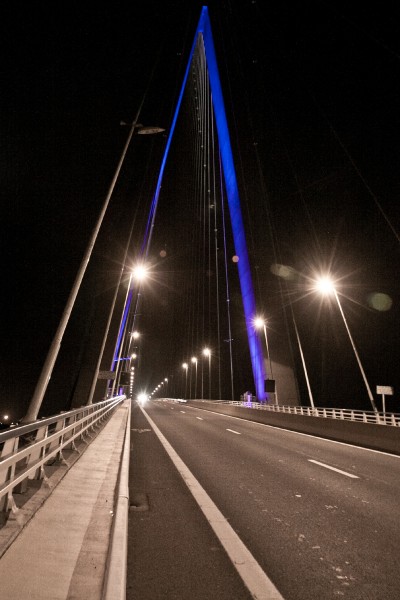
pixel 38 453
pixel 7 473
pixel 72 445
pixel 60 425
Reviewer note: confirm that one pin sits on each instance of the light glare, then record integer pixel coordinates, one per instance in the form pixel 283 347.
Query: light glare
pixel 258 322
pixel 325 285
pixel 139 272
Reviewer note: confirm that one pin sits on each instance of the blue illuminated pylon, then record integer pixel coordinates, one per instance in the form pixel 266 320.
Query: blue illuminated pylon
pixel 232 191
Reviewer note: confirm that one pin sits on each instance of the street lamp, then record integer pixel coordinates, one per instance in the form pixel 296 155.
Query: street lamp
pixel 326 286
pixel 207 352
pixel 185 366
pixel 259 323
pixel 55 346
pixel 140 272
pixel 143 129
pixel 194 361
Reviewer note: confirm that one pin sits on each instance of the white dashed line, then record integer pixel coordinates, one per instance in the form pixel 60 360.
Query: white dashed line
pixel 316 462
pixel 258 583
pixel 233 431
pixel 199 418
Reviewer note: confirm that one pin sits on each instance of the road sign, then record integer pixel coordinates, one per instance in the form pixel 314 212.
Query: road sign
pixel 106 375
pixel 387 390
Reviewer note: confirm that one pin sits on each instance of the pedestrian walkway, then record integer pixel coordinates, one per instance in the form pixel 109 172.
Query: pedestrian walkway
pixel 62 551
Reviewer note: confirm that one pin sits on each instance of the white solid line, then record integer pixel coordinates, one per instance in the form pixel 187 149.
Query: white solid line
pixel 200 418
pixel 233 431
pixel 257 582
pixel 333 469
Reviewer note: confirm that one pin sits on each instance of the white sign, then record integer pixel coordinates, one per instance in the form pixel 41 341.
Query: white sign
pixel 386 390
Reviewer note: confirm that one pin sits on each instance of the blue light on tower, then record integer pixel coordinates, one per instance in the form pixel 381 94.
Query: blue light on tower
pixel 235 212
pixel 232 191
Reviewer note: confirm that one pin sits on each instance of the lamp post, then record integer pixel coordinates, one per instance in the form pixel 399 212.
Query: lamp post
pixel 259 323
pixel 185 366
pixel 194 361
pixel 325 286
pixel 303 362
pixel 207 352
pixel 55 346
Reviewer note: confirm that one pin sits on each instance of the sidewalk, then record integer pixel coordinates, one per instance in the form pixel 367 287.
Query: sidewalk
pixel 62 551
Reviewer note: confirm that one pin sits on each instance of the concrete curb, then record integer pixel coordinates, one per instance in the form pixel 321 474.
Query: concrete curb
pixel 114 587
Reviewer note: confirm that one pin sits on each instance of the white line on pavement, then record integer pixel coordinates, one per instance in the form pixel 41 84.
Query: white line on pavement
pixel 257 582
pixel 316 462
pixel 200 418
pixel 233 431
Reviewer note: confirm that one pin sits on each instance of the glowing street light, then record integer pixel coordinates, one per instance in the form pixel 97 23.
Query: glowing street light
pixel 140 272
pixel 259 323
pixel 326 286
pixel 207 352
pixel 194 361
pixel 185 366
pixel 47 369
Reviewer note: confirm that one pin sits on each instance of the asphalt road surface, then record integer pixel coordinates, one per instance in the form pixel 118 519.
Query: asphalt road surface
pixel 320 518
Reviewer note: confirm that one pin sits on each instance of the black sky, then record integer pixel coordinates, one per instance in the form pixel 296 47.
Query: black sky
pixel 312 95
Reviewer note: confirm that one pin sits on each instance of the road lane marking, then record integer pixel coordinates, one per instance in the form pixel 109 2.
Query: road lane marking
pixel 182 411
pixel 233 431
pixel 254 578
pixel 301 433
pixel 200 418
pixel 333 469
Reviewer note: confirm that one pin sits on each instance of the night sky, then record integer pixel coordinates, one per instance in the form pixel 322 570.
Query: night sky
pixel 312 95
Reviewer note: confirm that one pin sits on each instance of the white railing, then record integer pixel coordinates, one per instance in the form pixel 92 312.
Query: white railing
pixel 379 418
pixel 25 450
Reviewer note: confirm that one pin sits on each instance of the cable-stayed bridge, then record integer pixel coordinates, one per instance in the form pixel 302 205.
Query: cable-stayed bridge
pixel 276 513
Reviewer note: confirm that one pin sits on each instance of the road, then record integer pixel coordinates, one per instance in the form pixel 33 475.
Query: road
pixel 319 517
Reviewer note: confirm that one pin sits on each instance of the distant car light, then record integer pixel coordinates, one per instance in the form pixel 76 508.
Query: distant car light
pixel 142 399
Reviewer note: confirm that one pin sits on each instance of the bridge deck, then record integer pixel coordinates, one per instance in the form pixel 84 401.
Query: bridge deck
pixel 62 551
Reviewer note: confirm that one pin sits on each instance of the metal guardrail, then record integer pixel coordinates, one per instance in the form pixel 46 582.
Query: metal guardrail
pixel 379 418
pixel 342 414
pixel 24 450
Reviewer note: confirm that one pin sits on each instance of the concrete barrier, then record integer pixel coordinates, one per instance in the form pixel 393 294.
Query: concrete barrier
pixel 369 435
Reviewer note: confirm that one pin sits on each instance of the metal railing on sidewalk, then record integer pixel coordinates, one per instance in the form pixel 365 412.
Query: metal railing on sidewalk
pixel 25 450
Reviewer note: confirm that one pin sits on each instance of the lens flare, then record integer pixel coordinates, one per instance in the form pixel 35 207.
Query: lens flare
pixel 379 301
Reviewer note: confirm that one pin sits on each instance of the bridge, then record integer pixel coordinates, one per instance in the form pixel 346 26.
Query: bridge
pixel 194 459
